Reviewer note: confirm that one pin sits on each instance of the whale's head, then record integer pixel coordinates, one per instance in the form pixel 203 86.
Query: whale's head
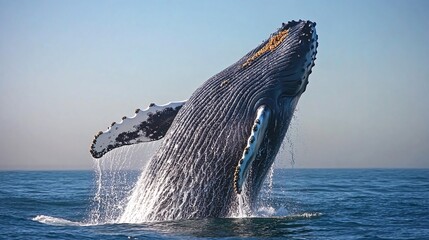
pixel 284 60
pixel 278 69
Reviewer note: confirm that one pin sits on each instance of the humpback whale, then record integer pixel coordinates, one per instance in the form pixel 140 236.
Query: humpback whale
pixel 219 144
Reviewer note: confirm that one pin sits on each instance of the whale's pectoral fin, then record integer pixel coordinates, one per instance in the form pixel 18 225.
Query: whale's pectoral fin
pixel 257 135
pixel 147 125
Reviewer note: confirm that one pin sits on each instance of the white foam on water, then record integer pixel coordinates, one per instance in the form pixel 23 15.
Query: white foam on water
pixel 54 221
pixel 271 212
pixel 308 215
pixel 265 211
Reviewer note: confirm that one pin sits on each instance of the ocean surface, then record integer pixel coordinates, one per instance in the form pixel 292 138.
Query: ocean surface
pixel 296 204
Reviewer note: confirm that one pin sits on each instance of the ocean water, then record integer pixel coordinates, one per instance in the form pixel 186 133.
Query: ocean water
pixel 296 204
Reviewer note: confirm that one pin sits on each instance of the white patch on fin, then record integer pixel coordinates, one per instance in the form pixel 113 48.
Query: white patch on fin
pixel 253 143
pixel 146 125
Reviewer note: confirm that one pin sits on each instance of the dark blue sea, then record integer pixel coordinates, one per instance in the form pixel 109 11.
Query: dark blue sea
pixel 302 204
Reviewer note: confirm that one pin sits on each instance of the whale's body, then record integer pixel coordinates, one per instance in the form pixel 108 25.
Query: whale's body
pixel 224 139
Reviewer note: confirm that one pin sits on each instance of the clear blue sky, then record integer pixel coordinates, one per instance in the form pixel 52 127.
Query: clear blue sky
pixel 70 68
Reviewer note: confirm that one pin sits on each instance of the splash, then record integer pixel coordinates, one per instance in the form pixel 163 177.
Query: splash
pixel 242 209
pixel 116 174
pixel 292 138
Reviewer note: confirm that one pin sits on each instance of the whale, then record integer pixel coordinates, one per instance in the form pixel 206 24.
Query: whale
pixel 218 146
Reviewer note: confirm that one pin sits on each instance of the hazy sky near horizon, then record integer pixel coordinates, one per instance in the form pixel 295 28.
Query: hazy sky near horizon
pixel 70 68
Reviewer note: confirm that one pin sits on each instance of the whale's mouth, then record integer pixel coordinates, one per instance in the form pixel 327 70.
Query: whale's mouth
pixel 259 130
